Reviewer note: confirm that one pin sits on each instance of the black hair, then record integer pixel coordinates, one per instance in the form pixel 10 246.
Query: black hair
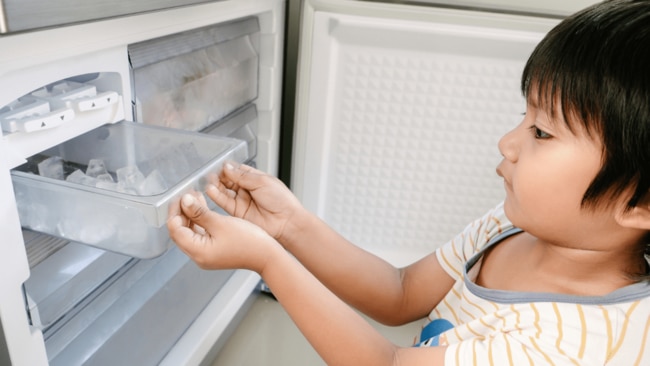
pixel 596 65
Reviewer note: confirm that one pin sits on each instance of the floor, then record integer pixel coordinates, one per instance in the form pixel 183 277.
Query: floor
pixel 268 337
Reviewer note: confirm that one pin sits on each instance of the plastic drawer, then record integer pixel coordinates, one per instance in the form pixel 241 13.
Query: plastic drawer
pixel 125 220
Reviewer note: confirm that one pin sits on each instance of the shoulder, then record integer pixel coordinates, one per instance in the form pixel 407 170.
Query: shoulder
pixel 474 238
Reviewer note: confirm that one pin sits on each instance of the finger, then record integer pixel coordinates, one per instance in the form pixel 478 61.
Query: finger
pixel 174 211
pixel 223 197
pixel 235 176
pixel 223 179
pixel 174 208
pixel 196 210
pixel 188 231
pixel 181 234
pixel 200 197
pixel 198 229
pixel 232 165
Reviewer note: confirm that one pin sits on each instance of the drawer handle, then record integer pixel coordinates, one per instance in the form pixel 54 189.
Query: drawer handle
pixel 39 122
pixel 96 102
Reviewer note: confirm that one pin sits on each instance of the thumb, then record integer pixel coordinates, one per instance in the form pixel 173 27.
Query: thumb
pixel 187 222
pixel 198 213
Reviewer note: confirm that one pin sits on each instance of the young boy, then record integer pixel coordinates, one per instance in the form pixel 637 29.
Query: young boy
pixel 555 274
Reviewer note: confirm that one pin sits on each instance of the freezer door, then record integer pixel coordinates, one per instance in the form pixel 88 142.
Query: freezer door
pixel 399 109
pixel 553 8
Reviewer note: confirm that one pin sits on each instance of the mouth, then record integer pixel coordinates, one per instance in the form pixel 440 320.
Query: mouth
pixel 507 185
pixel 506 182
pixel 499 173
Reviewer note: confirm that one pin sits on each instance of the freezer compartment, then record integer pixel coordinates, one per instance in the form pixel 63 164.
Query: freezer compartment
pixel 191 79
pixel 133 317
pixel 111 187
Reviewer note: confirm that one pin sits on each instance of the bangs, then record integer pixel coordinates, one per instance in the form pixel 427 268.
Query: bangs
pixel 559 81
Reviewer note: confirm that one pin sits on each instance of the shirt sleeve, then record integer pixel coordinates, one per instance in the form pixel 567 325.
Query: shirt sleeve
pixel 453 255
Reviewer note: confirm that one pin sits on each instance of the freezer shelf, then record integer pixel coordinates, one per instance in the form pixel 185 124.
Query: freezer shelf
pixel 140 316
pixel 65 278
pixel 126 210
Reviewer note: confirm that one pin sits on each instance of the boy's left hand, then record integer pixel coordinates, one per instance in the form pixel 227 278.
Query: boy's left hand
pixel 215 241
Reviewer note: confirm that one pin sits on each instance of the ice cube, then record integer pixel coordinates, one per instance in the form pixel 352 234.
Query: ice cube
pixel 170 163
pixel 175 162
pixel 107 185
pixel 106 177
pixel 87 224
pixel 51 167
pixel 129 178
pixel 106 181
pixel 154 184
pixel 123 188
pixel 80 178
pixel 96 167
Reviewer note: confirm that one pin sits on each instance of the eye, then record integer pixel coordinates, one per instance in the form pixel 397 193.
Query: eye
pixel 539 134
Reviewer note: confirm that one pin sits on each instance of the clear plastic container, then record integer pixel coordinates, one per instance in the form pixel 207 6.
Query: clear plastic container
pixel 191 79
pixel 117 184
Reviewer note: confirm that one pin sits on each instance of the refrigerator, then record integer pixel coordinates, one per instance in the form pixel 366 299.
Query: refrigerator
pixel 382 117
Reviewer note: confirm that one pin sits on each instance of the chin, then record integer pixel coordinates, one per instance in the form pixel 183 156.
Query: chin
pixel 511 213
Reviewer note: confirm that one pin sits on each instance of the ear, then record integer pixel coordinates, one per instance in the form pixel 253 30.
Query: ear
pixel 636 218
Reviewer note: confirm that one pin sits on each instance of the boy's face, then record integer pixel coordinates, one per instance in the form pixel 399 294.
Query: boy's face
pixel 546 171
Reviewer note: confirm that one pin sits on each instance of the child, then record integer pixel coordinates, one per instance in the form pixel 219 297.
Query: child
pixel 555 274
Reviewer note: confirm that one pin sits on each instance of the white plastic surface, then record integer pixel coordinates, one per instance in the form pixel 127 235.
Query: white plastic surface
pixel 208 329
pixel 551 7
pixel 398 121
pixel 29 137
pixel 24 344
pixel 35 117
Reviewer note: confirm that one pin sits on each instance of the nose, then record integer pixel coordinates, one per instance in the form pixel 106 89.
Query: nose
pixel 509 146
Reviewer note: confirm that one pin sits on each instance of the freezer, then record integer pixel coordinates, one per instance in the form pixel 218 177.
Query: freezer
pixel 107 120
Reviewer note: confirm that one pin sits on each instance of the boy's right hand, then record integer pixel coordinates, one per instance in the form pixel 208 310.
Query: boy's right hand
pixel 245 192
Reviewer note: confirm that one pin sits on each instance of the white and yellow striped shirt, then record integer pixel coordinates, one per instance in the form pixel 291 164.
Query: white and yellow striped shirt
pixel 516 328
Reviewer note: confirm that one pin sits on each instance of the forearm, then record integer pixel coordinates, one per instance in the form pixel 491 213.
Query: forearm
pixel 360 278
pixel 337 332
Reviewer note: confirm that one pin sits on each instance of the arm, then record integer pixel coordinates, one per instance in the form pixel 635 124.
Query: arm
pixel 390 295
pixel 338 333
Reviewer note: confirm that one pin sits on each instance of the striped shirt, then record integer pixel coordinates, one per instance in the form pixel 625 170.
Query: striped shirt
pixel 496 327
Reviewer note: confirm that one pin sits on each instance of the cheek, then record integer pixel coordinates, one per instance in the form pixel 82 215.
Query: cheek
pixel 557 181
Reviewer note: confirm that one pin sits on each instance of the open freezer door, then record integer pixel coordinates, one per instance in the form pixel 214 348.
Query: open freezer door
pixel 399 110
